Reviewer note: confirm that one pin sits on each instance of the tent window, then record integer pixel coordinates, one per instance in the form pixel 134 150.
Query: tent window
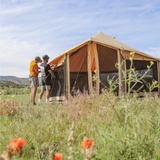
pixel 141 67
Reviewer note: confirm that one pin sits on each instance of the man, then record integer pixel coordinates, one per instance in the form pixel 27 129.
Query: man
pixel 33 78
pixel 46 72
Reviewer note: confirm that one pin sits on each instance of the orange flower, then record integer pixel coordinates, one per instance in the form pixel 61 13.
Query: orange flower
pixel 12 103
pixel 8 104
pixel 15 102
pixel 21 103
pixel 87 143
pixel 58 156
pixel 17 143
pixel 13 108
pixel 7 101
pixel 18 107
pixel 4 112
pixel 21 142
pixel 4 104
pixel 0 104
pixel 14 144
pixel 3 101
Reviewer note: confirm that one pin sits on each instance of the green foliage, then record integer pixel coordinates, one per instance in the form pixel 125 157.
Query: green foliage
pixel 11 88
pixel 121 129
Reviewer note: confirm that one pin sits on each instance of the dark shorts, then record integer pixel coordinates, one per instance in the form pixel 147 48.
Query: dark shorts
pixel 45 87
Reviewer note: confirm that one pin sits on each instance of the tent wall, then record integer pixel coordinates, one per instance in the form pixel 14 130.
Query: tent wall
pixel 58 82
pixel 158 67
pixel 79 70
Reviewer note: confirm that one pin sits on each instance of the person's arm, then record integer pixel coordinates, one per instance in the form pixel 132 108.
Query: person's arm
pixel 52 68
pixel 36 69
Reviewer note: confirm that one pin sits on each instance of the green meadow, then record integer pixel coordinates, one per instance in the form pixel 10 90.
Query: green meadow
pixel 120 128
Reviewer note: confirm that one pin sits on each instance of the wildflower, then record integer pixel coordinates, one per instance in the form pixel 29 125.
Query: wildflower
pixel 15 102
pixel 13 108
pixel 8 104
pixel 4 105
pixel 58 156
pixel 7 101
pixel 13 95
pixel 12 103
pixel 17 144
pixel 3 101
pixel 87 143
pixel 18 107
pixel 0 104
pixel 132 53
pixel 21 103
pixel 151 62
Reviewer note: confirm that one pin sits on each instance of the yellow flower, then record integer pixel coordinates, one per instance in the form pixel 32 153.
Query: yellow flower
pixel 132 53
pixel 13 95
pixel 151 62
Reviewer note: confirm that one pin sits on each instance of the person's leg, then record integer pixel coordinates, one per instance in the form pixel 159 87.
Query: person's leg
pixel 42 92
pixel 34 94
pixel 35 84
pixel 47 96
pixel 31 96
pixel 48 88
pixel 40 96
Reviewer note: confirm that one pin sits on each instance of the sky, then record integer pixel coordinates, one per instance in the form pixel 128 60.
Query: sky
pixel 30 28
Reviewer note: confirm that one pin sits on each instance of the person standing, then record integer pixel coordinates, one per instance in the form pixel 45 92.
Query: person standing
pixel 46 72
pixel 33 78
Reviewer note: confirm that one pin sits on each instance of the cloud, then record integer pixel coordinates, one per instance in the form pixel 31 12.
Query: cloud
pixel 153 51
pixel 36 27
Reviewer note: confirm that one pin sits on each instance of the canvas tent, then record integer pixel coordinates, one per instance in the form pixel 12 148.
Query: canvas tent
pixel 76 66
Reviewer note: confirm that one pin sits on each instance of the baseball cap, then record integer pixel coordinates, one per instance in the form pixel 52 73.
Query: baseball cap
pixel 45 57
pixel 38 59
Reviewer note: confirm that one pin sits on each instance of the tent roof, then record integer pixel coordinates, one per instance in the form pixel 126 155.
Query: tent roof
pixel 111 41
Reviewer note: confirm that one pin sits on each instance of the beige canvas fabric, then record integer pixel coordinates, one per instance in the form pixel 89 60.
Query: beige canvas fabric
pixel 110 41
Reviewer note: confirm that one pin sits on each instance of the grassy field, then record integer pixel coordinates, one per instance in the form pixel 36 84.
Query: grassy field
pixel 120 128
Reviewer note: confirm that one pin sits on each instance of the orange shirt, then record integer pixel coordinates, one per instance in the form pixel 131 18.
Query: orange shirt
pixel 33 66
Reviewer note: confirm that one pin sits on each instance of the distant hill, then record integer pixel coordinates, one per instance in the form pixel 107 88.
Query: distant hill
pixel 6 78
pixel 16 80
pixel 9 84
pixel 20 81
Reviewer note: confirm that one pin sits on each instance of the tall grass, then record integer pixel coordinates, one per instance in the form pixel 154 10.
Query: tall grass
pixel 120 128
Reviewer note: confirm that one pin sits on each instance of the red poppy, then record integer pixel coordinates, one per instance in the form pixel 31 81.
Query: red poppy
pixel 87 143
pixel 58 156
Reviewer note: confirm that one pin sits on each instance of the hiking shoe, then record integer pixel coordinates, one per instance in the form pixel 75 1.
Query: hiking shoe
pixel 34 103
